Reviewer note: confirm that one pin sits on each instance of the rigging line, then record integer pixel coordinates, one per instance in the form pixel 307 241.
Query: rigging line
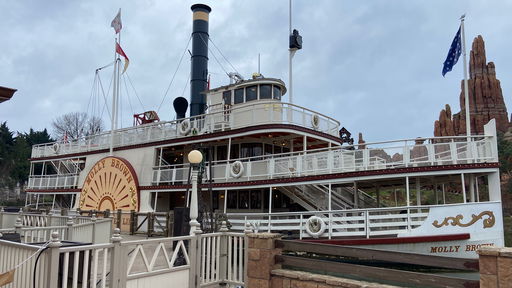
pixel 213 54
pixel 92 91
pixel 104 97
pixel 134 90
pixel 223 55
pixel 174 75
pixel 186 85
pixel 128 95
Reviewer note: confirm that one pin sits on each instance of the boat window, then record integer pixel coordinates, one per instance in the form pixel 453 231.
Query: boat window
pixel 232 199
pixel 234 151
pixel 251 93
pixel 222 152
pixel 277 92
pixel 243 199
pixel 226 96
pixel 266 91
pixel 255 199
pixel 268 149
pixel 251 150
pixel 239 95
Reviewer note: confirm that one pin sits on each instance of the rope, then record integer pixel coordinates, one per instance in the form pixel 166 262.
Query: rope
pixel 104 98
pixel 134 90
pixel 223 55
pixel 29 257
pixel 213 54
pixel 174 75
pixel 128 95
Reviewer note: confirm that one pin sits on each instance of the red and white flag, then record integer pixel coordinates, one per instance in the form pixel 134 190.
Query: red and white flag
pixel 116 23
pixel 120 51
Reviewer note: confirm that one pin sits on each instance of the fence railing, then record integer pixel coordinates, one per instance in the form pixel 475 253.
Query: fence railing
pixel 33 228
pixel 186 261
pixel 257 113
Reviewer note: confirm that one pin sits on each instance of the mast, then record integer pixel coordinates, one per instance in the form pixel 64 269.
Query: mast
pixel 114 100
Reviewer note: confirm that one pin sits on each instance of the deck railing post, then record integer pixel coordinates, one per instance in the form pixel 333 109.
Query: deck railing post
pixel 119 219
pixel 116 260
pixel 18 225
pixel 93 220
pixel 2 211
pixel 195 260
pixel 69 230
pixel 52 263
pixel 223 259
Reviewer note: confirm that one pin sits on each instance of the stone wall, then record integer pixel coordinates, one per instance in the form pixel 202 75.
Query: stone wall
pixel 297 279
pixel 495 267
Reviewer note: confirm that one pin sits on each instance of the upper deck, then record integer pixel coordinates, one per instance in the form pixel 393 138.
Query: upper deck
pixel 215 120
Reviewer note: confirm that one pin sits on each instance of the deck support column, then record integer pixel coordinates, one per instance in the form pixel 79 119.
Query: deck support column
pixel 407 191
pixel 356 196
pixel 463 182
pixel 418 192
pixel 377 190
pixel 225 200
pixel 472 188
pixel 269 207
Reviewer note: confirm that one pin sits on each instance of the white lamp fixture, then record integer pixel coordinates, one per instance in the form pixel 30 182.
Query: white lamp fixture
pixel 195 157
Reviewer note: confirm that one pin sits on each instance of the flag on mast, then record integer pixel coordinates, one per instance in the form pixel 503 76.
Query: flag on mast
pixel 453 54
pixel 116 23
pixel 120 51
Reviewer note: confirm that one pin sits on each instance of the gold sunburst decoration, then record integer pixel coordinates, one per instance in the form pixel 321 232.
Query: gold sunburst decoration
pixel 111 184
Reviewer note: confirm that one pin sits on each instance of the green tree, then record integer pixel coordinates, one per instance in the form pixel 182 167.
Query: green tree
pixel 6 147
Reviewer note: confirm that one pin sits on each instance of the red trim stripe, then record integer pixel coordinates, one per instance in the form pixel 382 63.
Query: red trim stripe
pixel 397 240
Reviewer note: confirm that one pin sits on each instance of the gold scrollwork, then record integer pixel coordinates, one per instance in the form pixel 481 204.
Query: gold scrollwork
pixel 456 221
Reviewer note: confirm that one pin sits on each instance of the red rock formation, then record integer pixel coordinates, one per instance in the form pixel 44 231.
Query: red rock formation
pixel 485 98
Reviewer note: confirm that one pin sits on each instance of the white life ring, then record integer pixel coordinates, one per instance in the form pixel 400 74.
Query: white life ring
pixel 184 127
pixel 315 226
pixel 237 169
pixel 315 121
pixel 56 147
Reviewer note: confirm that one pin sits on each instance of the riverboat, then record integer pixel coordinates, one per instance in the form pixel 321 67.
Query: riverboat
pixel 275 166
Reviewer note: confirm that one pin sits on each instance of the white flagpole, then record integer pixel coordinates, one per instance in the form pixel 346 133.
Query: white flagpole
pixel 113 120
pixel 466 93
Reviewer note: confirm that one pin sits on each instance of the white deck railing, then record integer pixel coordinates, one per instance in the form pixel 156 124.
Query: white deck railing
pixel 375 156
pixel 208 260
pixel 53 181
pixel 257 113
pixel 338 223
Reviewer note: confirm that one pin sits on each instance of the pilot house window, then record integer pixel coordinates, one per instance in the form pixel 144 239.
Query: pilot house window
pixel 266 91
pixel 251 93
pixel 239 96
pixel 277 92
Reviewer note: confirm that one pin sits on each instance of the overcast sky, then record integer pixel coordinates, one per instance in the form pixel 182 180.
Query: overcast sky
pixel 373 65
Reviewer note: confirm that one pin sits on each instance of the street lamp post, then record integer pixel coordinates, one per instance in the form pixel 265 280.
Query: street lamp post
pixel 194 157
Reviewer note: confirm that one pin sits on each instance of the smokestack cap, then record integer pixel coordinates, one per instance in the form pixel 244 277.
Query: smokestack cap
pixel 202 7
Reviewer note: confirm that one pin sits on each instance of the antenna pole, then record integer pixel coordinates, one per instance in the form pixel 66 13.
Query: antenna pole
pixel 259 63
pixel 292 52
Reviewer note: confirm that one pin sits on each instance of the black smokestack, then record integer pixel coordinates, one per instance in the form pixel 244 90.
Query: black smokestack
pixel 199 73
